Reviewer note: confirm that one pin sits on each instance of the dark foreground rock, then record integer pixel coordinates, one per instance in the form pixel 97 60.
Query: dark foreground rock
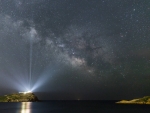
pixel 19 97
pixel 144 100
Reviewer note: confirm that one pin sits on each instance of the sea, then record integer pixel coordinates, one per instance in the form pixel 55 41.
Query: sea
pixel 68 106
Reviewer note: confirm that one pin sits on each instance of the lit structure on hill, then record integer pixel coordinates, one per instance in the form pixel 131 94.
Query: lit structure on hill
pixel 26 92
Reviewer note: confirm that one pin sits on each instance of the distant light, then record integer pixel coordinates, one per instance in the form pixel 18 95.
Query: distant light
pixel 29 92
pixel 26 92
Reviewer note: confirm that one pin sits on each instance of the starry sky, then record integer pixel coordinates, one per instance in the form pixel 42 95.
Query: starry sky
pixel 76 49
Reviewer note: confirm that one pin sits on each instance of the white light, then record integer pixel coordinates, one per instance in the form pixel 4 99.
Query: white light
pixel 25 92
pixel 28 91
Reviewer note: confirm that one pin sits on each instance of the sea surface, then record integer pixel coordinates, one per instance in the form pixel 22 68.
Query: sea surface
pixel 72 107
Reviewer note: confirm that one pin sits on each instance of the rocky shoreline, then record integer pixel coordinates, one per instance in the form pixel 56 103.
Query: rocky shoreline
pixel 19 97
pixel 144 100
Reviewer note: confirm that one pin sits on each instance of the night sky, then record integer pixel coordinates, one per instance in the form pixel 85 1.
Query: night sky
pixel 75 49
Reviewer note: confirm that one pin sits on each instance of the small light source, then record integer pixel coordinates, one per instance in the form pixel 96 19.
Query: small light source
pixel 25 92
pixel 28 91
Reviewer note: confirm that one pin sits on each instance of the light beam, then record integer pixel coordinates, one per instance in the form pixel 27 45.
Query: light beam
pixel 30 66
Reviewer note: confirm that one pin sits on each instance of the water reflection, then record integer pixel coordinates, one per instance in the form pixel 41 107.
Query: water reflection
pixel 25 107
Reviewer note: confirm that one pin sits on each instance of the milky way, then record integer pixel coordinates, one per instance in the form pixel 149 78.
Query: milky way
pixel 85 49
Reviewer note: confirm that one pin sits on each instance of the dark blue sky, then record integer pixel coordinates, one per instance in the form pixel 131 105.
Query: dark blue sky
pixel 87 49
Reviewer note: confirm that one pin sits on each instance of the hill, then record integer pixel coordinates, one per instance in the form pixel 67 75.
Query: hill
pixel 144 100
pixel 19 97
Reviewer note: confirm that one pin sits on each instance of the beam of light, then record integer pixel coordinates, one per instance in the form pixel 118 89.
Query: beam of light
pixel 30 66
pixel 40 81
pixel 32 33
pixel 43 78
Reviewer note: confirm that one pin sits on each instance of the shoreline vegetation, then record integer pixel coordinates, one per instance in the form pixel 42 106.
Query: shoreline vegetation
pixel 144 100
pixel 19 97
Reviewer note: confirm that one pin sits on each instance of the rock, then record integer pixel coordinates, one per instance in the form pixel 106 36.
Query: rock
pixel 19 97
pixel 144 100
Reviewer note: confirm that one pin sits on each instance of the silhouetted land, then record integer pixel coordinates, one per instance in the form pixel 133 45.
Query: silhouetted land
pixel 144 100
pixel 19 97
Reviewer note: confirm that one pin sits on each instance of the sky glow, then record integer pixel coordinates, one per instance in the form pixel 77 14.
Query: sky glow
pixel 64 49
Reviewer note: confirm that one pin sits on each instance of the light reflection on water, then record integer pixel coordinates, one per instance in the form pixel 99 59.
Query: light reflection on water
pixel 25 107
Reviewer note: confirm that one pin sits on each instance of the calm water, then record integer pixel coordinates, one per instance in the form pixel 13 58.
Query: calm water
pixel 72 107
